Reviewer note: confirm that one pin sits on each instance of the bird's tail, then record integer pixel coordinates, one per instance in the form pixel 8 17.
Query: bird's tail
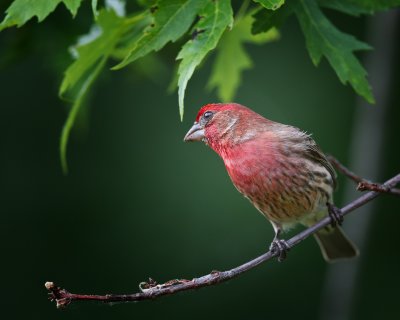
pixel 335 245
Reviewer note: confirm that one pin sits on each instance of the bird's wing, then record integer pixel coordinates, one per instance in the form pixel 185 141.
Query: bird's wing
pixel 316 154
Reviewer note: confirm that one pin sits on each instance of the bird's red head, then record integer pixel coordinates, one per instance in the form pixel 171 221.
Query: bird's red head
pixel 219 124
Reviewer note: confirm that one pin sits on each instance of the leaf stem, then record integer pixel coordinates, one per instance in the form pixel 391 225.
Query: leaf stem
pixel 74 112
pixel 242 10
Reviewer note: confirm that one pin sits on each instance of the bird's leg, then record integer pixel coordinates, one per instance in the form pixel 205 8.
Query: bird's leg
pixel 278 245
pixel 335 214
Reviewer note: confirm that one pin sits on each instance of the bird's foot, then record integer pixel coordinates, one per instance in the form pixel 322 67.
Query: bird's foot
pixel 336 215
pixel 280 248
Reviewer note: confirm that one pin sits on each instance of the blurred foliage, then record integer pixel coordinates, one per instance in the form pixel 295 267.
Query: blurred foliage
pixel 150 25
pixel 323 39
pixel 228 67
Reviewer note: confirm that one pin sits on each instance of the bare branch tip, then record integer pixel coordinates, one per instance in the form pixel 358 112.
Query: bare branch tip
pixel 60 296
pixel 49 285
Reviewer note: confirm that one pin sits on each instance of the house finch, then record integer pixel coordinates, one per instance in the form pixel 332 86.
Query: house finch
pixel 279 168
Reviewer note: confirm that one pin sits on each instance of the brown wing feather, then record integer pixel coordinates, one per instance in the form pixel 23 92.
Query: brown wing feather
pixel 317 155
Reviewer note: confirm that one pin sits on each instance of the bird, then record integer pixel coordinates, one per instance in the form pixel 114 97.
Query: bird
pixel 280 169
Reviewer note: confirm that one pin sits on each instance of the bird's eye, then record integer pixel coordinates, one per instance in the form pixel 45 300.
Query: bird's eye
pixel 207 115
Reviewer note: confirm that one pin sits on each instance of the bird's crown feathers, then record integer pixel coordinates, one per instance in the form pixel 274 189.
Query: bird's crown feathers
pixel 216 107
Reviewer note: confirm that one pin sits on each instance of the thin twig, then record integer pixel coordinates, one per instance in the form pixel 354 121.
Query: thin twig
pixel 362 184
pixel 341 168
pixel 151 290
pixel 365 185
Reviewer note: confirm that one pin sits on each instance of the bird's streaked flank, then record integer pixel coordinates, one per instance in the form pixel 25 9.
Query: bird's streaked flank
pixel 279 168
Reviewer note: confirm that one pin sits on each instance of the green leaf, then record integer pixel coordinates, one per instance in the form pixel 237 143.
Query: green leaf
pixel 345 7
pixel 132 34
pixel 72 6
pixel 232 59
pixel 358 7
pixel 267 19
pixel 20 11
pixel 271 4
pixel 323 39
pixel 171 19
pixel 91 48
pixel 92 53
pixel 215 17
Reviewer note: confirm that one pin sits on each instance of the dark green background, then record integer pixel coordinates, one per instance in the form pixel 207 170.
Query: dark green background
pixel 138 202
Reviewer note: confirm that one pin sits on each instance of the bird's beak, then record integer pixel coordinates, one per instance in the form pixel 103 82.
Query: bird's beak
pixel 196 133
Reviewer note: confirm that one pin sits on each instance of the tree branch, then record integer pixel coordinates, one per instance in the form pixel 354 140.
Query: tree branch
pixel 362 184
pixel 152 290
